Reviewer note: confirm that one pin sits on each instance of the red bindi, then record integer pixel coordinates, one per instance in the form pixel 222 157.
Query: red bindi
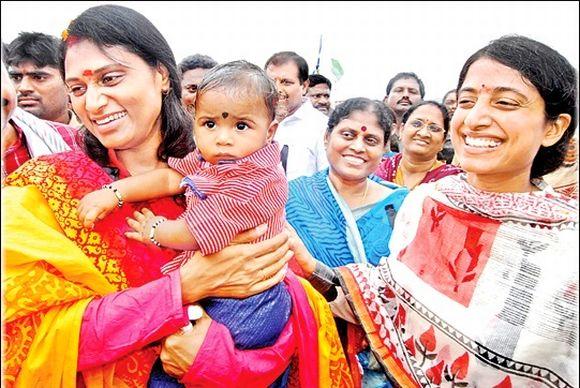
pixel 88 73
pixel 363 128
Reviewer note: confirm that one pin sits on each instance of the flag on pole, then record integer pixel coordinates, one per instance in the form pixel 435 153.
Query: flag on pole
pixel 336 68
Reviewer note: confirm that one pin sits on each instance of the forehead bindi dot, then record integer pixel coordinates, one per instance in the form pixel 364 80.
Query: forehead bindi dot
pixel 88 73
pixel 363 128
pixel 225 115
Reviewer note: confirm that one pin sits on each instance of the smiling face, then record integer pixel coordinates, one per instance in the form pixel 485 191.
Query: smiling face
pixel 116 95
pixel 499 126
pixel 404 93
pixel 355 146
pixel 230 125
pixel 423 135
pixel 290 89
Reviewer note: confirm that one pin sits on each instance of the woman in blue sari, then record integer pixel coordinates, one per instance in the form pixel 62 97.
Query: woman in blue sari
pixel 344 214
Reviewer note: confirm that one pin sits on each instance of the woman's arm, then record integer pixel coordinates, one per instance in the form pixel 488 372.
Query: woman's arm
pixel 120 323
pixel 239 270
pixel 322 277
pixel 186 356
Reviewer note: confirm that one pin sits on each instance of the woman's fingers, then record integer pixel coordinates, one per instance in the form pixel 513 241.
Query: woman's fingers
pixel 262 248
pixel 250 234
pixel 179 350
pixel 268 282
pixel 291 231
pixel 272 263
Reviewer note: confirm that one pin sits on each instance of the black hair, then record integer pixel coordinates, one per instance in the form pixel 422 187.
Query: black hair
pixel 196 61
pixel 114 25
pixel 438 105
pixel 241 78
pixel 40 49
pixel 317 79
pixel 554 78
pixel 290 56
pixel 448 93
pixel 362 104
pixel 406 75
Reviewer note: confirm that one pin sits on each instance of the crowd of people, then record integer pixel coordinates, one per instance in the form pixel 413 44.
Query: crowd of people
pixel 227 225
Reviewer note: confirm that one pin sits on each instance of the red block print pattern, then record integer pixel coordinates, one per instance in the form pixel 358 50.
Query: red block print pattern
pixel 450 249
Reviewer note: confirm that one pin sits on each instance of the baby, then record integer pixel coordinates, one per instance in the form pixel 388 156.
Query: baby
pixel 233 181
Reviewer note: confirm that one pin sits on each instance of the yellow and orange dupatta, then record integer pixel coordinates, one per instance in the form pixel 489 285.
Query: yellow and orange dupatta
pixel 53 268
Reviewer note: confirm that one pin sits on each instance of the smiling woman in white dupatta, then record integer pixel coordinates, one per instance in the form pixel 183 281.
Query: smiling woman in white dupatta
pixel 481 288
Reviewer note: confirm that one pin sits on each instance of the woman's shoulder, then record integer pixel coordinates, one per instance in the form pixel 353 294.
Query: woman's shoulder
pixel 74 160
pixel 306 181
pixel 388 186
pixel 450 169
pixel 543 207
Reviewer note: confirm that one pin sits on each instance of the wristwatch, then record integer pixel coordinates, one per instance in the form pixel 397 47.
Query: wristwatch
pixel 194 312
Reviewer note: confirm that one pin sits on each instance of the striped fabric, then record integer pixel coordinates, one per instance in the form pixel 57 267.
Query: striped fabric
pixel 227 198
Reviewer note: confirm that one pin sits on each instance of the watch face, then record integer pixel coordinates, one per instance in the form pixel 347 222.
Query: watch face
pixel 194 312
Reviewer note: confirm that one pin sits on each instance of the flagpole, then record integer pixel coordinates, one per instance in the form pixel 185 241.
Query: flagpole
pixel 317 68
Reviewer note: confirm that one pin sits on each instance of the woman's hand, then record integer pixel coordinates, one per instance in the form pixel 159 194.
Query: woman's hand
pixel 237 271
pixel 301 254
pixel 179 350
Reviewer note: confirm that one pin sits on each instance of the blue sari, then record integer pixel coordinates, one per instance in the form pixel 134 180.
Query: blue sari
pixel 333 235
pixel 328 228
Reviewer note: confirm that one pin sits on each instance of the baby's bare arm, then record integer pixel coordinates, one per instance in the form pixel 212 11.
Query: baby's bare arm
pixel 169 233
pixel 159 183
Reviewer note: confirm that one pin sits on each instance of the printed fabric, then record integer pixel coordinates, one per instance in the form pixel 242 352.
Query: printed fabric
pixel 48 251
pixel 481 289
pixel 389 170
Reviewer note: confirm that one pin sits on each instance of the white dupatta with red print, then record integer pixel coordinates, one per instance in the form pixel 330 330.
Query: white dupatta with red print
pixel 481 289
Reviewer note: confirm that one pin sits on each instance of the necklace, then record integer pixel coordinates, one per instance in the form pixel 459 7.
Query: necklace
pixel 364 197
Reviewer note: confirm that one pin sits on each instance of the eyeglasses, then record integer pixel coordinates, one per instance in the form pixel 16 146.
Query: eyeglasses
pixel 431 127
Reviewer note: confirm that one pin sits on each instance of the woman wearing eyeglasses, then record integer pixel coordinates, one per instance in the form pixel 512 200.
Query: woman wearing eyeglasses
pixel 425 126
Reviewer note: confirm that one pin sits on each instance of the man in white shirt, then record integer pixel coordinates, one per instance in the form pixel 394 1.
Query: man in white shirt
pixel 302 127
